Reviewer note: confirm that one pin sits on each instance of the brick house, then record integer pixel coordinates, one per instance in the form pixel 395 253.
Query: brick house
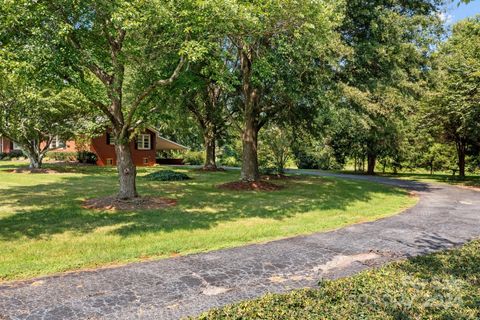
pixel 144 147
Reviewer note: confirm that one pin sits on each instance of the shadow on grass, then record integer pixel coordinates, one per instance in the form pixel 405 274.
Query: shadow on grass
pixel 42 210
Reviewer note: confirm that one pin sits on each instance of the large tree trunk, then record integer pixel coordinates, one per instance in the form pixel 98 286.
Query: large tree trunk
pixel 251 97
pixel 35 161
pixel 210 156
pixel 250 170
pixel 461 159
pixel 127 172
pixel 372 161
pixel 34 153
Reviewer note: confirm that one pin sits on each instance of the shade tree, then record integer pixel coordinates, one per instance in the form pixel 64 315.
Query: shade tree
pixel 117 53
pixel 452 106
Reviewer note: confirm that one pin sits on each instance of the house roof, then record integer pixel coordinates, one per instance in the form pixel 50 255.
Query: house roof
pixel 166 144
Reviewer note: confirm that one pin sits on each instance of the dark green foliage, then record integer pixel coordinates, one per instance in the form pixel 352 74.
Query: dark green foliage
pixel 438 286
pixel 63 156
pixel 14 154
pixel 87 157
pixel 3 155
pixel 167 175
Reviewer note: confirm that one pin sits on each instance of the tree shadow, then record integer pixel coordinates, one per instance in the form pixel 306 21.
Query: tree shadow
pixel 42 210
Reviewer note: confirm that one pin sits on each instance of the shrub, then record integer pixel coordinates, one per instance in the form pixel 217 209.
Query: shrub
pixel 230 161
pixel 167 175
pixel 3 155
pixel 63 156
pixel 194 157
pixel 87 157
pixel 15 154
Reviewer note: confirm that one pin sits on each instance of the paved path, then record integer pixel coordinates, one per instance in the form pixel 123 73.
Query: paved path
pixel 177 287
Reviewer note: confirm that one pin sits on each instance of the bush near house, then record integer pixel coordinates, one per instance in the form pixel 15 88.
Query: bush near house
pixel 443 285
pixel 167 175
pixel 62 156
pixel 14 154
pixel 87 157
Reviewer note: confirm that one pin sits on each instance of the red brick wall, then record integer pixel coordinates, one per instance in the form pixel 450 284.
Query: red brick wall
pixel 105 151
pixel 6 145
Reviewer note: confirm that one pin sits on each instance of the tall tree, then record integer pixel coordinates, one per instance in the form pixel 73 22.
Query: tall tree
pixel 116 52
pixel 453 106
pixel 278 49
pixel 391 42
pixel 32 117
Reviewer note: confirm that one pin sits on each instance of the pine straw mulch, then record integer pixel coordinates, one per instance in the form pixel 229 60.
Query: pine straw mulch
pixel 251 186
pixel 140 203
pixel 29 170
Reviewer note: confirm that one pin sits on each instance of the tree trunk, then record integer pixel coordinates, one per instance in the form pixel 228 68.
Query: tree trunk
pixel 461 159
pixel 210 156
pixel 35 161
pixel 127 172
pixel 250 170
pixel 372 160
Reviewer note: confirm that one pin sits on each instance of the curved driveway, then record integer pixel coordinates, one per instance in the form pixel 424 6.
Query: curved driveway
pixel 172 288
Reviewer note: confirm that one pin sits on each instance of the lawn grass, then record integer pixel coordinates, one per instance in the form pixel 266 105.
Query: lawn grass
pixel 44 229
pixel 444 285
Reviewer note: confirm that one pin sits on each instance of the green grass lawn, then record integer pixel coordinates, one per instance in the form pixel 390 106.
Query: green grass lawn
pixel 444 285
pixel 44 229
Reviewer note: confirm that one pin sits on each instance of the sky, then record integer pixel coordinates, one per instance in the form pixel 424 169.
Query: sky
pixel 455 13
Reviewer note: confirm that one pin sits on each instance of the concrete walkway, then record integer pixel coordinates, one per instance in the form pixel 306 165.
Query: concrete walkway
pixel 173 288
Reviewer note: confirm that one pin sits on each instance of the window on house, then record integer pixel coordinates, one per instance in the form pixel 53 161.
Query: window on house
pixel 16 146
pixel 109 162
pixel 145 160
pixel 111 140
pixel 57 143
pixel 144 142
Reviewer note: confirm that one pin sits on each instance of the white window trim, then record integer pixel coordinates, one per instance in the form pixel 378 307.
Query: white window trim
pixel 57 143
pixel 16 146
pixel 142 139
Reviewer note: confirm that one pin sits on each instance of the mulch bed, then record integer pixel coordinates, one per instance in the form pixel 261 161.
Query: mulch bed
pixel 28 170
pixel 250 186
pixel 141 203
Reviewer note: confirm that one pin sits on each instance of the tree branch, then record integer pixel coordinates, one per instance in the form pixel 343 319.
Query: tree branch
pixel 151 88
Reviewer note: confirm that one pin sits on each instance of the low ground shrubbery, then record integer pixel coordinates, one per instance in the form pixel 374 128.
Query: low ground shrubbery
pixel 194 157
pixel 444 285
pixel 62 156
pixel 87 157
pixel 14 154
pixel 167 175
